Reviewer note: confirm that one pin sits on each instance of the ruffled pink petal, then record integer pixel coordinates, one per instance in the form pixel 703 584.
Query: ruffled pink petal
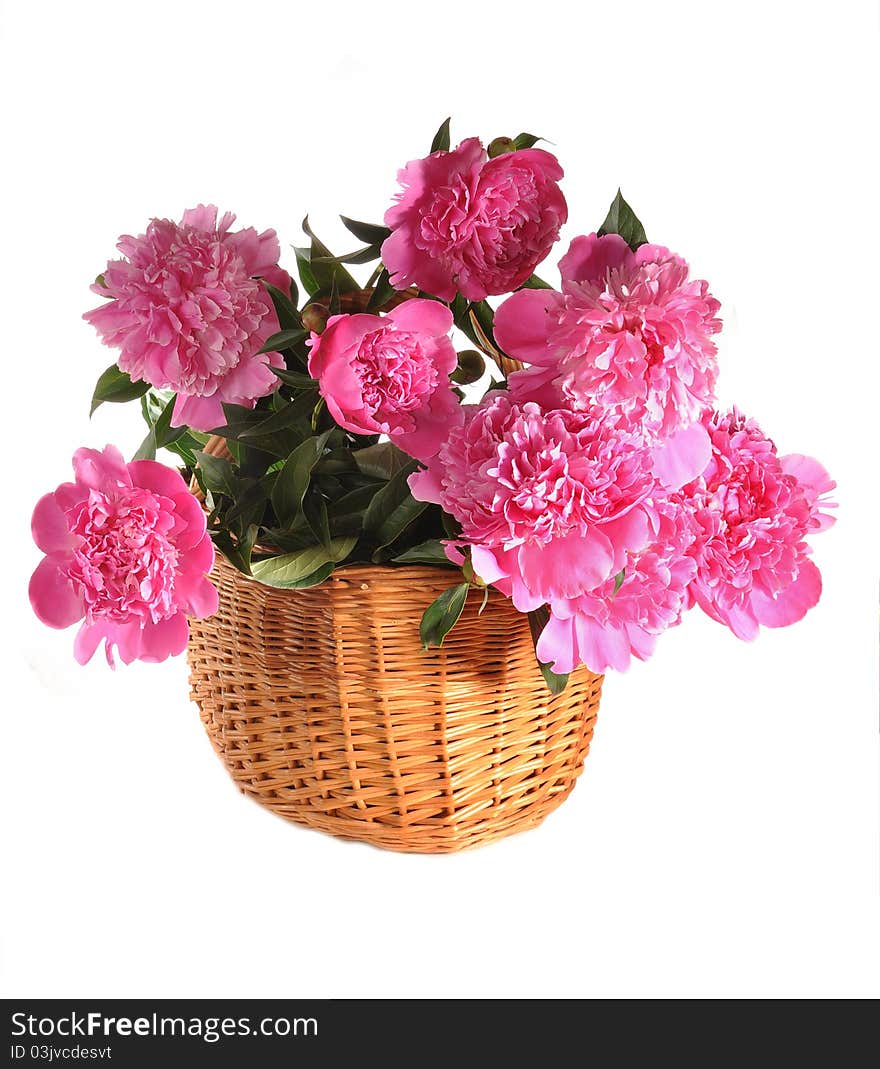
pixel 601 647
pixel 590 257
pixel 200 413
pixel 191 521
pixel 422 317
pixel 252 378
pixel 402 261
pixel 151 475
pixel 629 533
pixel 49 526
pixel 197 595
pixel 434 421
pixel 427 485
pixel 165 639
pixel 683 456
pixel 566 567
pixel 486 565
pixel 521 325
pixel 52 595
pixel 100 470
pixel 202 217
pixel 792 603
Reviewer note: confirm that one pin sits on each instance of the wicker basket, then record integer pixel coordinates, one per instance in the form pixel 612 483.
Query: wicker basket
pixel 325 709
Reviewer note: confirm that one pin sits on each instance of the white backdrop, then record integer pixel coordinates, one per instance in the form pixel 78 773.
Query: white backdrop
pixel 723 839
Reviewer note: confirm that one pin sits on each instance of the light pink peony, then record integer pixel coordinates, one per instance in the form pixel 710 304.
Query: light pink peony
pixel 467 224
pixel 606 627
pixel 189 315
pixel 550 502
pixel 630 332
pixel 753 512
pixel 390 374
pixel 126 553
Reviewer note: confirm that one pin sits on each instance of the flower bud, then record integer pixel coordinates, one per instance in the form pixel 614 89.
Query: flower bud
pixel 501 145
pixel 471 367
pixel 315 317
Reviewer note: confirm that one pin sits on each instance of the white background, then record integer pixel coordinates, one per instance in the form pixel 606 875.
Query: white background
pixel 723 840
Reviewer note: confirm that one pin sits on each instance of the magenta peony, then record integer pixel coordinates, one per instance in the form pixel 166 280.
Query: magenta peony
pixel 549 502
pixel 127 553
pixel 188 313
pixel 604 628
pixel 630 332
pixel 753 512
pixel 467 224
pixel 390 374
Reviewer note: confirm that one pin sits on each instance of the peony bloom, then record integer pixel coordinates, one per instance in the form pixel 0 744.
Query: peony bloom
pixel 550 502
pixel 604 628
pixel 188 314
pixel 753 512
pixel 126 553
pixel 467 224
pixel 630 332
pixel 390 374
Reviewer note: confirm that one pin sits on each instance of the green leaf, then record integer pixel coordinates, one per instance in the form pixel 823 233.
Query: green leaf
pixel 359 256
pixel 538 619
pixel 116 386
pixel 285 309
pixel 381 461
pixel 231 551
pixel 324 268
pixel 216 475
pixel 442 615
pixel 621 219
pixel 284 339
pixel 366 232
pixel 383 292
pixel 297 379
pixel 294 477
pixel 526 140
pixel 441 138
pixel 484 315
pixel 161 434
pixel 618 581
pixel 430 552
pixel 295 415
pixel 298 569
pixel 392 510
pixel 346 513
pixel 306 274
pixel 314 509
pixel 535 283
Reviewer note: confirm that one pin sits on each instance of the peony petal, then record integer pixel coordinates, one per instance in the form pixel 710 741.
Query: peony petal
pixel 792 603
pixel 422 317
pixel 568 566
pixel 165 639
pixel 590 257
pixel 197 595
pixel 102 470
pixel 87 640
pixel 200 413
pixel 53 596
pixel 683 456
pixel 602 646
pixel 486 565
pixel 49 526
pixel 190 523
pixel 151 475
pixel 557 645
pixel 427 485
pixel 521 325
pixel 203 217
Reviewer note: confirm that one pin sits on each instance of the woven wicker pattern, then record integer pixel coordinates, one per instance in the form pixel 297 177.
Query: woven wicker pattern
pixel 325 709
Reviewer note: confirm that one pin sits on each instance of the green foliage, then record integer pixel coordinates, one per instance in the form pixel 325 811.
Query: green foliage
pixel 441 138
pixel 538 619
pixel 116 386
pixel 621 219
pixel 442 615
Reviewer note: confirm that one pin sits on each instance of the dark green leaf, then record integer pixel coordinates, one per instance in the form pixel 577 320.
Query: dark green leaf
pixel 535 283
pixel 116 386
pixel 231 551
pixel 346 514
pixel 556 683
pixel 216 475
pixel 393 509
pixel 315 512
pixel 359 256
pixel 441 138
pixel 482 311
pixel 298 569
pixel 284 339
pixel 442 615
pixel 621 219
pixel 431 552
pixel 306 274
pixel 618 581
pixel 323 267
pixel 367 232
pixel 526 140
pixel 285 309
pixel 382 460
pixel 295 415
pixel 294 477
pixel 161 434
pixel 383 292
pixel 298 379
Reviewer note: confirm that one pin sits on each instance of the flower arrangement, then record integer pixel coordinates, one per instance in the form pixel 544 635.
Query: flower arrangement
pixel 571 456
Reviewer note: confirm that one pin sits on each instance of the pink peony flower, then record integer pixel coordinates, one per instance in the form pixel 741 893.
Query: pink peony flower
pixel 189 315
pixel 550 502
pixel 390 374
pixel 753 511
pixel 126 553
pixel 604 628
pixel 630 332
pixel 468 224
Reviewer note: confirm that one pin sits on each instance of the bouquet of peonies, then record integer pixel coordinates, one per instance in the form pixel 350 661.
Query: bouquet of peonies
pixel 586 475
